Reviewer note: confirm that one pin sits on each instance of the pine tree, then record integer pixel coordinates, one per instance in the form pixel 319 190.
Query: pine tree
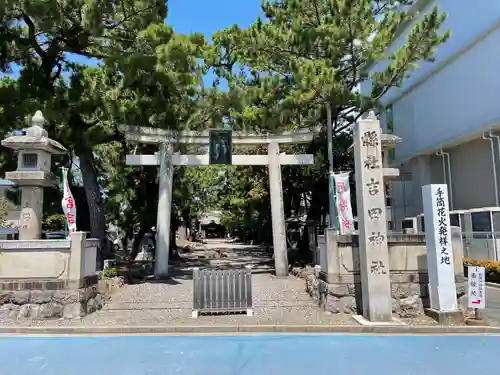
pixel 308 58
pixel 312 52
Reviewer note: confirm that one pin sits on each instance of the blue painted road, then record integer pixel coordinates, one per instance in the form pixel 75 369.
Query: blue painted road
pixel 250 355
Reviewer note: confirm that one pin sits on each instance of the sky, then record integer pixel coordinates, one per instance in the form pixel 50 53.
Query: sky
pixel 208 16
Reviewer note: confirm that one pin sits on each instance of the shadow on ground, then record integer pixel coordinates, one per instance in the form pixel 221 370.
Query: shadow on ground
pixel 221 255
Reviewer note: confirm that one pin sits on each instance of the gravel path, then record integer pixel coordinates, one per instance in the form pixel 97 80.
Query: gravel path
pixel 276 301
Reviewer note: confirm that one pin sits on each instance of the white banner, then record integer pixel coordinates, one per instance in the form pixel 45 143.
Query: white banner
pixel 68 203
pixel 476 278
pixel 343 203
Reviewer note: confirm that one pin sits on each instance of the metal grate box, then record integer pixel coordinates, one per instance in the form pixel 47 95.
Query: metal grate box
pixel 222 291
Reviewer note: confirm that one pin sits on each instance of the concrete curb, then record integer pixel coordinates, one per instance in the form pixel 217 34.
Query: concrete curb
pixel 493 285
pixel 239 329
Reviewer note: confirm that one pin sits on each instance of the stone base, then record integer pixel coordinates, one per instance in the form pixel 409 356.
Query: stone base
pixel 108 286
pixel 365 322
pixel 446 317
pixel 408 298
pixel 46 301
pixel 476 322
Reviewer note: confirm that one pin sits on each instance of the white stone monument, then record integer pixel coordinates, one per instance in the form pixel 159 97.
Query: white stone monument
pixel 33 173
pixel 442 288
pixel 370 197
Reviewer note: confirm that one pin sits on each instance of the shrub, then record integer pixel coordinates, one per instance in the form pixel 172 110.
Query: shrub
pixel 491 268
pixel 110 272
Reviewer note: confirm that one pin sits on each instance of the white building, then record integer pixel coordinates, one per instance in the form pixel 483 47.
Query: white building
pixel 448 113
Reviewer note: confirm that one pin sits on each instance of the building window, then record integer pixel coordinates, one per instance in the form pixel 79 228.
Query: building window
pixel 389 119
pixel 481 222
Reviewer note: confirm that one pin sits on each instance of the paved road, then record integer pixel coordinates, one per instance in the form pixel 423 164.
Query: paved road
pixel 249 355
pixel 493 304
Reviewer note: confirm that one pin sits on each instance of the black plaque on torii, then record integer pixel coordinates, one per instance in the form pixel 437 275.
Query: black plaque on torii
pixel 221 146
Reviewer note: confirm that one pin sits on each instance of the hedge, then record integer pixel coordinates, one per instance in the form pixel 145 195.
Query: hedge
pixel 491 268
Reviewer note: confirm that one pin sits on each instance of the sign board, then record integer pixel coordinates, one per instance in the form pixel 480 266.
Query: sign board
pixel 477 287
pixel 221 147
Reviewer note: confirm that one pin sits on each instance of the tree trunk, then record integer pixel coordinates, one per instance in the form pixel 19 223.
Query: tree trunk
pixel 95 204
pixel 173 251
pixel 136 244
pixel 318 201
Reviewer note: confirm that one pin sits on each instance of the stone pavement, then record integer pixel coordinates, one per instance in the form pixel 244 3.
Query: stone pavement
pixel 249 355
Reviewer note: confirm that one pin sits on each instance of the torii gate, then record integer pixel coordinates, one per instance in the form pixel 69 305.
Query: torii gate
pixel 166 159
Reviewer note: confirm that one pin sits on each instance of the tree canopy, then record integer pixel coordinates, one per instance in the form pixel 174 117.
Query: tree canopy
pixel 93 65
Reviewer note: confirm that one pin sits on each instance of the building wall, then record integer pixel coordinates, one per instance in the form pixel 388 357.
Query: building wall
pixel 460 100
pixel 407 191
pixel 456 95
pixel 447 105
pixel 472 179
pixel 465 23
pixel 472 174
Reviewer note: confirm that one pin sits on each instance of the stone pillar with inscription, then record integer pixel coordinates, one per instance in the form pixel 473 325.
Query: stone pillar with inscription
pixel 370 197
pixel 442 287
pixel 34 149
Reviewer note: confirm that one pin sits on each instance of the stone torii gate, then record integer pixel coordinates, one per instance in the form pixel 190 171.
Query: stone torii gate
pixel 167 158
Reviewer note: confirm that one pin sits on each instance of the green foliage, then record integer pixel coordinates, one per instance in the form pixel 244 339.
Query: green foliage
pixel 110 272
pixel 54 223
pixel 312 52
pixel 283 71
pixel 148 76
pixel 281 74
pixel 491 268
pixel 41 37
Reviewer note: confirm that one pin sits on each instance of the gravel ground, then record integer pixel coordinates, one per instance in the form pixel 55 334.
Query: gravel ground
pixel 277 301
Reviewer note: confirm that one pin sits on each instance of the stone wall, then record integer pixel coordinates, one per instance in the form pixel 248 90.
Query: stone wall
pixel 70 259
pixel 44 259
pixel 336 284
pixel 50 279
pixel 408 299
pixel 25 299
pixel 339 257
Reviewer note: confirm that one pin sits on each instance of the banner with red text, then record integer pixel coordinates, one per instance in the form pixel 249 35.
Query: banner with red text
pixel 343 203
pixel 68 202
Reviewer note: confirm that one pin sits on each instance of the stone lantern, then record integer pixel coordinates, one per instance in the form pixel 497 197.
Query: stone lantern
pixel 34 150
